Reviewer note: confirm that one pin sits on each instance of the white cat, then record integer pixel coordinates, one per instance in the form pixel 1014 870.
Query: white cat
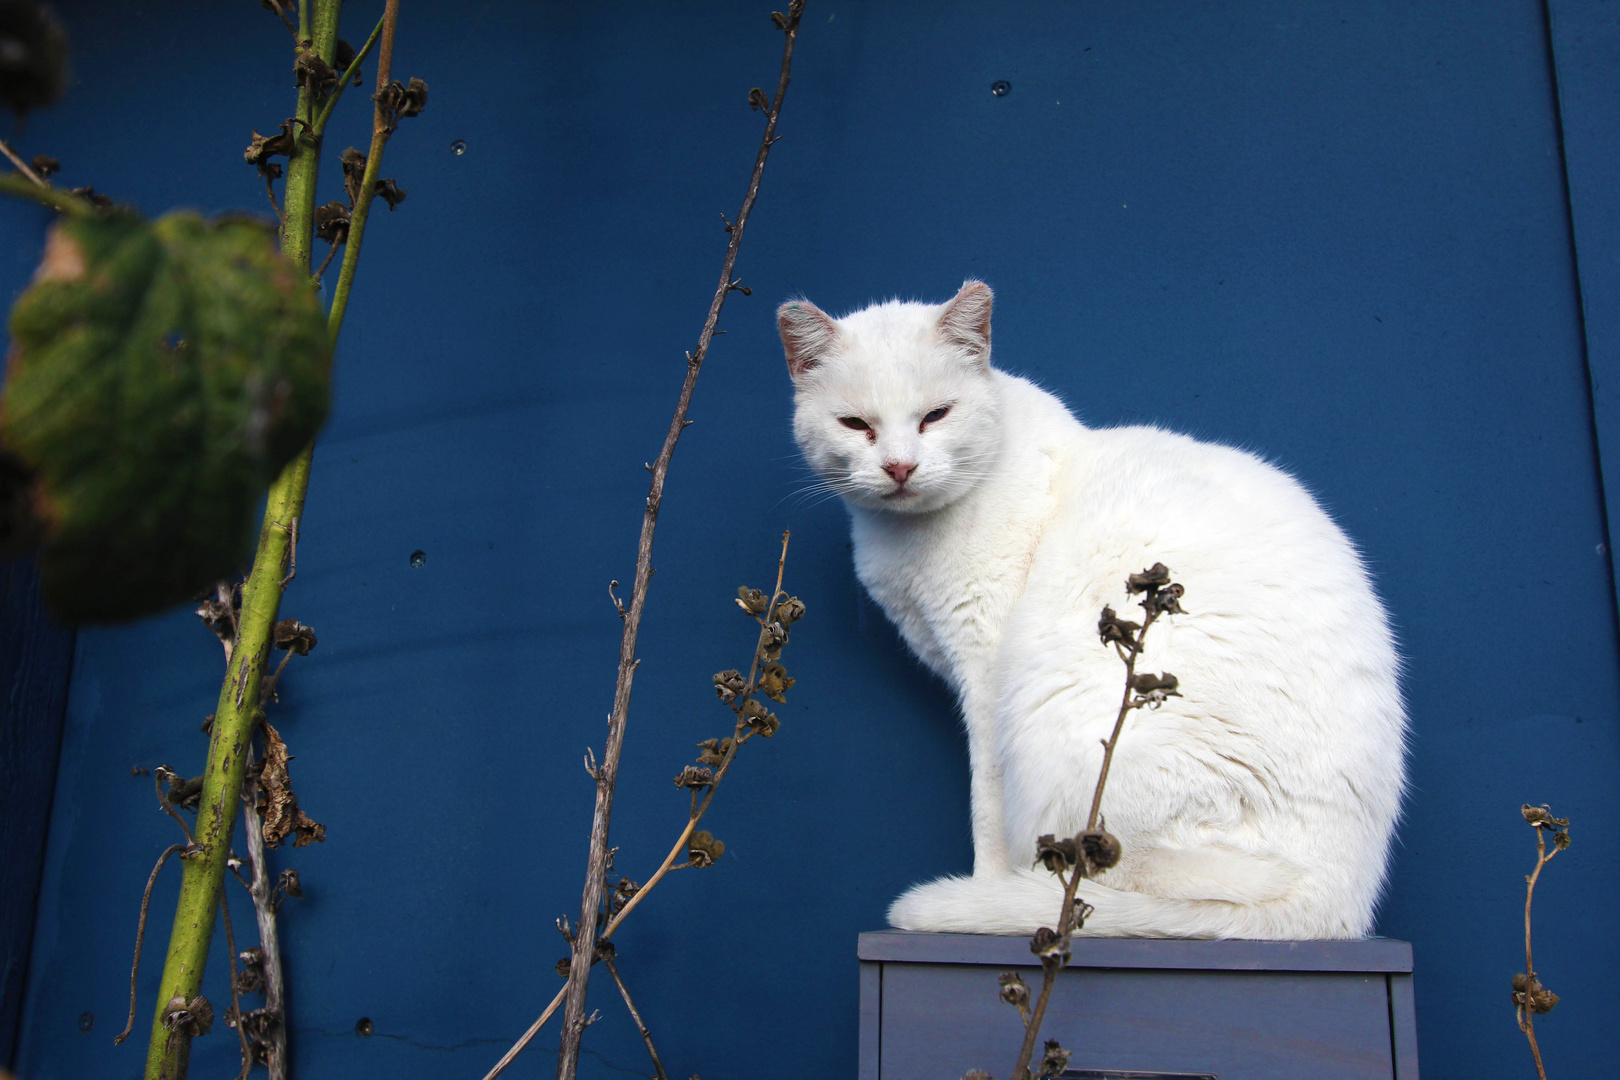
pixel 992 527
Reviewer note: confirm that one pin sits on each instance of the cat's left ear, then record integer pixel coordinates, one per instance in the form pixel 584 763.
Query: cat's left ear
pixel 966 320
pixel 808 335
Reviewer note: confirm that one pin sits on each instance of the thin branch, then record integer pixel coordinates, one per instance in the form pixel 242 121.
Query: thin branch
pixel 236 997
pixel 641 1025
pixel 1125 708
pixel 163 800
pixel 584 942
pixel 22 166
pixel 140 935
pixel 318 274
pixel 380 131
pixel 270 193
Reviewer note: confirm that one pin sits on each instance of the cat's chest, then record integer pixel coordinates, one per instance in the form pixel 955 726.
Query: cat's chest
pixel 949 582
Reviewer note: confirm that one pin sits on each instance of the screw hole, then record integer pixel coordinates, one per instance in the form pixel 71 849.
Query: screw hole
pixel 418 559
pixel 362 1026
pixel 87 1021
pixel 1000 88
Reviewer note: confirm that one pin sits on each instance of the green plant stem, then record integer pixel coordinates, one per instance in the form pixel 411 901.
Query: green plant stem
pixel 55 198
pixel 362 203
pixel 319 126
pixel 238 712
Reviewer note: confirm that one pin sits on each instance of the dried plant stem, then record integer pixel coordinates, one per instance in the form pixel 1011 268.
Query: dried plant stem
pixel 22 166
pixel 238 710
pixel 1125 707
pixel 1051 965
pixel 1527 1022
pixel 236 998
pixel 679 847
pixel 596 864
pixel 140 936
pixel 641 1025
pixel 262 889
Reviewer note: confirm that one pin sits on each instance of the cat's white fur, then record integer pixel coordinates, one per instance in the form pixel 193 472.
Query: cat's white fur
pixel 1260 803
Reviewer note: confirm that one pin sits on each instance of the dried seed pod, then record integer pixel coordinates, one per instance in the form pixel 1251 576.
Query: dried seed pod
pixel 1014 991
pixel 752 601
pixel 1057 855
pixel 1055 1060
pixel 728 684
pixel 714 751
pixel 294 635
pixel 776 682
pixel 703 849
pixel 790 610
pixel 1048 944
pixel 1101 849
pixel 1111 628
pixel 1154 577
pixel 694 777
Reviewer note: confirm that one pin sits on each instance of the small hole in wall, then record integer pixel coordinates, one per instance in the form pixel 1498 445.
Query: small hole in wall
pixel 458 147
pixel 362 1026
pixel 87 1021
pixel 1001 88
pixel 418 559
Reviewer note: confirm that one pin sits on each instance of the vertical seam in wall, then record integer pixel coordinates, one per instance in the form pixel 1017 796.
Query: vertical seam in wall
pixel 1580 315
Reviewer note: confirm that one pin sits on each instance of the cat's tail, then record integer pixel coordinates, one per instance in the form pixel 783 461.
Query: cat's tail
pixel 1025 900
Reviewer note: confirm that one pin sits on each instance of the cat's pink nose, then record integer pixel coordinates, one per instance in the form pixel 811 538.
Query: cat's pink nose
pixel 900 470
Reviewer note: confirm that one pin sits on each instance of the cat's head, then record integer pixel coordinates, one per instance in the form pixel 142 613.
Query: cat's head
pixel 896 404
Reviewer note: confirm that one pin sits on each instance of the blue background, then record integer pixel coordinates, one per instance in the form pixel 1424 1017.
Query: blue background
pixel 1338 233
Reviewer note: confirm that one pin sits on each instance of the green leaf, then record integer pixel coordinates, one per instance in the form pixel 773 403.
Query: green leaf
pixel 160 377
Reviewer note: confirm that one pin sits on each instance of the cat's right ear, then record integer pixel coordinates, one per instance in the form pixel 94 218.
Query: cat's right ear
pixel 808 336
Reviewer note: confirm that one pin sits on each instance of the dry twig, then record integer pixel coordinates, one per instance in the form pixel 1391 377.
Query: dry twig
pixel 607 773
pixel 1529 996
pixel 1094 849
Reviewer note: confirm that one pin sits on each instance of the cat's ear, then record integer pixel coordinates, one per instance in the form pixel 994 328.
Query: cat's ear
pixel 808 335
pixel 966 320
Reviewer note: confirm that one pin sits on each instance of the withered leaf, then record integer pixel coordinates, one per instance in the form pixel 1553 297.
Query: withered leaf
pixel 264 147
pixel 278 806
pixel 45 165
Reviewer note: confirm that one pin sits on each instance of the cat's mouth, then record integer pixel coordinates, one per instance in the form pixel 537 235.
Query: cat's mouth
pixel 901 491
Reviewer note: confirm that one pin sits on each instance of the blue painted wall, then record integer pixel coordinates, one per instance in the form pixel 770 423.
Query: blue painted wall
pixel 1334 232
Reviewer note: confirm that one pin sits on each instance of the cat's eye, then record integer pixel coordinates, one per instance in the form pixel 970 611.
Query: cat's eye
pixel 854 423
pixel 937 415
